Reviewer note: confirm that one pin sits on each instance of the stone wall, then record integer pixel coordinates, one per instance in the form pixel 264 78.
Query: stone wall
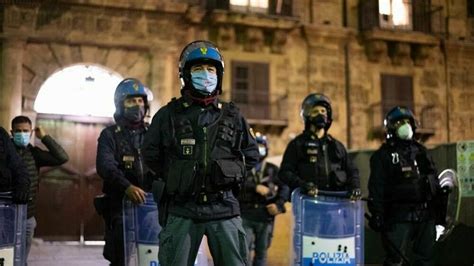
pixel 310 52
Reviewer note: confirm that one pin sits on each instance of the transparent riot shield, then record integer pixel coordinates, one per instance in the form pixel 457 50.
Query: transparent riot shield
pixel 328 229
pixel 141 229
pixel 12 232
pixel 448 179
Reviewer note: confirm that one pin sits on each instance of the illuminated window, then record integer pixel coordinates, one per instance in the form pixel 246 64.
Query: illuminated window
pixel 395 14
pixel 84 90
pixel 250 5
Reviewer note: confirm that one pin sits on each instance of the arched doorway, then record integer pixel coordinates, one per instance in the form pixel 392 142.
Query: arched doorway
pixel 73 105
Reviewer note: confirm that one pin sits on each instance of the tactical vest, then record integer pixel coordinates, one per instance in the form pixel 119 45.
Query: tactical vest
pixel 129 157
pixel 407 184
pixel 325 160
pixel 204 159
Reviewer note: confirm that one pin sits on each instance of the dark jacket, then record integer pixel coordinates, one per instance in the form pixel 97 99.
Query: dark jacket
pixel 324 162
pixel 35 158
pixel 13 174
pixel 252 204
pixel 190 147
pixel 119 160
pixel 402 182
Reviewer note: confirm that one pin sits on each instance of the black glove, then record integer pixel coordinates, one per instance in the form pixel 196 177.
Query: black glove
pixel 21 196
pixel 376 223
pixel 309 188
pixel 356 194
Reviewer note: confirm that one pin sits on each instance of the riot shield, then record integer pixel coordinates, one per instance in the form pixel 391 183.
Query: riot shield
pixel 448 180
pixel 141 229
pixel 12 232
pixel 328 229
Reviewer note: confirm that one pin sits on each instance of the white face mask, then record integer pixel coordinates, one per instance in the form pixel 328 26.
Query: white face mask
pixel 405 132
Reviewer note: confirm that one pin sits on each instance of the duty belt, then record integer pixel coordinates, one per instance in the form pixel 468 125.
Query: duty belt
pixel 206 197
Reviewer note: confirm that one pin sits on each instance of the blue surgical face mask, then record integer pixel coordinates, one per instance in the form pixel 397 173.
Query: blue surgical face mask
pixel 21 139
pixel 204 81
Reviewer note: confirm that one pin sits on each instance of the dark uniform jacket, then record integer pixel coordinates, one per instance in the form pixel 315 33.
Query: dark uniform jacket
pixel 252 204
pixel 324 162
pixel 402 182
pixel 198 152
pixel 13 174
pixel 119 161
pixel 35 158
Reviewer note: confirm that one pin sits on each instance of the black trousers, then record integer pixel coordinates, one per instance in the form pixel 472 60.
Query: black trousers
pixel 419 237
pixel 114 243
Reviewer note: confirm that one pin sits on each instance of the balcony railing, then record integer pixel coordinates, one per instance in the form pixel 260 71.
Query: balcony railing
pixel 269 112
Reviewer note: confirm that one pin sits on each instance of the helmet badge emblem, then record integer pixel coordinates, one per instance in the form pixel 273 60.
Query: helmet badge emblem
pixel 135 86
pixel 203 50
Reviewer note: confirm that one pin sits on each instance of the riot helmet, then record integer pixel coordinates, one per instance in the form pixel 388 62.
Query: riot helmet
pixel 200 52
pixel 129 87
pixel 395 126
pixel 320 121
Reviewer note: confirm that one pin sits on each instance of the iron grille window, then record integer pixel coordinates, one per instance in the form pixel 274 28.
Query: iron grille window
pixel 395 14
pixel 250 89
pixel 270 7
pixel 396 90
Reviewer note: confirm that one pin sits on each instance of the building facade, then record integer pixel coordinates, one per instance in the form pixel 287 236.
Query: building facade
pixel 366 55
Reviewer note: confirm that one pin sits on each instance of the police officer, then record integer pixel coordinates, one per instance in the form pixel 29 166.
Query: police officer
pixel 119 163
pixel 34 158
pixel 316 160
pixel 200 148
pixel 402 186
pixel 262 198
pixel 13 174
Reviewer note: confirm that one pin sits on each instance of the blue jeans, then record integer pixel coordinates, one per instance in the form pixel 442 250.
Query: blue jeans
pixel 30 231
pixel 260 234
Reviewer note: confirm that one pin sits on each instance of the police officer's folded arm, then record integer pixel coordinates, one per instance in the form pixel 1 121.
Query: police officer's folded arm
pixel 353 174
pixel 107 165
pixel 151 144
pixel 249 147
pixel 287 173
pixel 283 193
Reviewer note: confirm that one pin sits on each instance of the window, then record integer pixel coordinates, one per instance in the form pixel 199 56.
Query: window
pixel 395 14
pixel 269 7
pixel 250 89
pixel 260 6
pixel 470 9
pixel 396 90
